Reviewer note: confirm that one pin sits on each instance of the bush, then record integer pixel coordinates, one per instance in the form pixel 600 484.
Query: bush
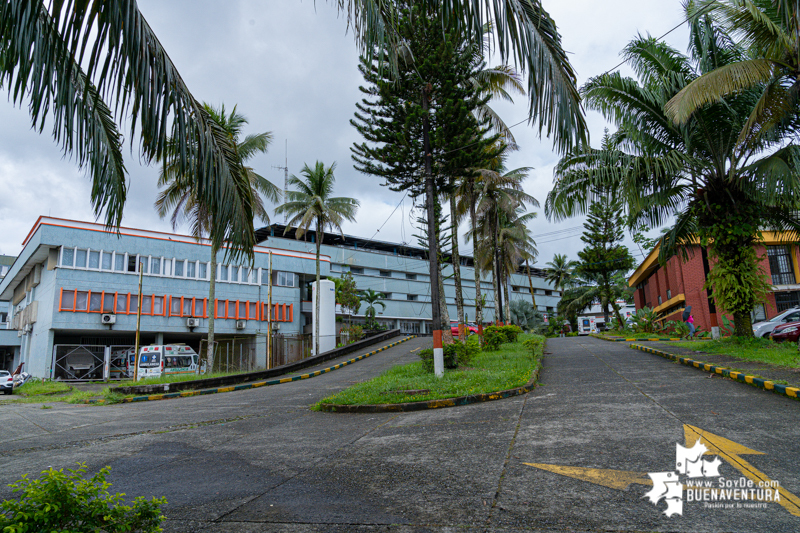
pixel 67 502
pixel 533 344
pixel 493 338
pixel 458 353
pixel 645 321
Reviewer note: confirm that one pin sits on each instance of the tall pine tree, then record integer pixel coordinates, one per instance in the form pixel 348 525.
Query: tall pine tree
pixel 604 258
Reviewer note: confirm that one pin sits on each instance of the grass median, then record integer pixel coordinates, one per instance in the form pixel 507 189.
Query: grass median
pixel 750 349
pixel 490 371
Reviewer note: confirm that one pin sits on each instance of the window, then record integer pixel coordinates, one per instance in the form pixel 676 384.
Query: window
pixel 264 276
pixel 285 279
pixel 203 270
pixel 412 276
pixel 105 261
pixel 158 305
pixel 67 300
pixel 167 267
pixel 198 307
pixel 108 303
pixel 669 294
pixel 175 306
pixel 81 301
pixel 122 303
pixel 147 305
pixel 179 268
pixel 68 257
pixel 387 295
pixel 191 267
pixel 385 274
pixel 780 265
pixel 131 263
pixel 119 262
pixel 787 300
pixel 411 297
pixel 548 293
pixel 223 272
pixel 80 259
pixel 659 300
pixel 234 274
pixel 3 317
pixel 94 260
pixel 155 265
pixel 356 270
pixel 242 310
pixel 758 314
pixel 134 303
pixel 187 307
pixel 251 310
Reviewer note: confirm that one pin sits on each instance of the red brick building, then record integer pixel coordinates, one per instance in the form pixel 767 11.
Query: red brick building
pixel 670 288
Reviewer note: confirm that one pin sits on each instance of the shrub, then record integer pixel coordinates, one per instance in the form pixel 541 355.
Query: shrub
pixel 458 353
pixel 645 321
pixel 61 501
pixel 493 338
pixel 533 344
pixel 511 332
pixel 678 327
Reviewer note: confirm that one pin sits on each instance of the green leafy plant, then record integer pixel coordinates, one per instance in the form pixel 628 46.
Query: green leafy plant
pixel 455 354
pixel 60 501
pixel 727 328
pixel 645 321
pixel 678 327
pixel 493 338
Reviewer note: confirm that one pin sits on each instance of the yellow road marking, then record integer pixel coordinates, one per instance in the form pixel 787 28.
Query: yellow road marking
pixel 613 479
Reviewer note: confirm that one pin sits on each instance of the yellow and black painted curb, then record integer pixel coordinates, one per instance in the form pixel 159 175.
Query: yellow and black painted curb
pixel 255 384
pixel 623 339
pixel 433 404
pixel 765 384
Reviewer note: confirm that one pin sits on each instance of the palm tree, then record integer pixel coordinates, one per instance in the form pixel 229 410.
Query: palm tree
pixel 312 204
pixel 514 246
pixel 560 272
pixel 722 184
pixel 772 66
pixel 372 298
pixel 498 192
pixel 62 70
pixel 180 193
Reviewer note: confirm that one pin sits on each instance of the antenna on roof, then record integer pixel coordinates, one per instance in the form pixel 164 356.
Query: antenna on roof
pixel 285 169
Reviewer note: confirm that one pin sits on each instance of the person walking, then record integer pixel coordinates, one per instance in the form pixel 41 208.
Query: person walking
pixel 689 319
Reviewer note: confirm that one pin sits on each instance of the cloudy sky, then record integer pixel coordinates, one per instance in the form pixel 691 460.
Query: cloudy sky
pixel 290 67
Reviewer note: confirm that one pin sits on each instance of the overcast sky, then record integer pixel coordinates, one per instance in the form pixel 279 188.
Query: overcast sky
pixel 290 68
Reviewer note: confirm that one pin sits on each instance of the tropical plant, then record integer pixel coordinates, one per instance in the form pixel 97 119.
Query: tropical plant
pixel 181 196
pixel 523 314
pixel 678 327
pixel 66 61
pixel 722 185
pixel 60 501
pixel 347 293
pixel 771 66
pixel 312 203
pixel 372 299
pixel 645 321
pixel 560 272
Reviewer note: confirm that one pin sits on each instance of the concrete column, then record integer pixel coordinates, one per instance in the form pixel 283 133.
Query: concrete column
pixel 159 338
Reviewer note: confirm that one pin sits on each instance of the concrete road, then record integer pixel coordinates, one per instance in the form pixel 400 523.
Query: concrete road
pixel 573 455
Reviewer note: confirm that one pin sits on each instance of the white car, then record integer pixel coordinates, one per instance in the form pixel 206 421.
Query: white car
pixel 6 382
pixel 763 329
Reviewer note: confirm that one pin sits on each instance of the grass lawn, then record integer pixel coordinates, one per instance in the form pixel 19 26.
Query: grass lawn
pixel 758 350
pixel 509 367
pixel 36 391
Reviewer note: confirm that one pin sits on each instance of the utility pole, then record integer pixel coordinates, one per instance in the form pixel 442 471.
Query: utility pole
pixel 285 169
pixel 138 325
pixel 269 314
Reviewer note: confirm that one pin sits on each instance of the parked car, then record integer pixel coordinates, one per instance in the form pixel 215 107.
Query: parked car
pixel 787 332
pixel 6 382
pixel 763 329
pixel 473 329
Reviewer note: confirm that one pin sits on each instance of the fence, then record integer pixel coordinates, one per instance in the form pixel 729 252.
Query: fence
pixel 89 362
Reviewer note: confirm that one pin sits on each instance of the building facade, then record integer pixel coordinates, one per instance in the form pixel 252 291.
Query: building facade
pixel 401 273
pixel 76 284
pixel 74 291
pixel 669 288
pixel 9 341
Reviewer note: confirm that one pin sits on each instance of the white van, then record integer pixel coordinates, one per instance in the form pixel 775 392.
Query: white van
pixel 587 325
pixel 167 359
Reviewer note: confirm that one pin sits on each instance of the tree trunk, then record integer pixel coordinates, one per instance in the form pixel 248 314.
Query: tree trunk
pixel 530 283
pixel 212 304
pixel 318 239
pixel 474 220
pixel 495 279
pixel 433 245
pixel 457 265
pixel 742 324
pixel 507 302
pixel 447 332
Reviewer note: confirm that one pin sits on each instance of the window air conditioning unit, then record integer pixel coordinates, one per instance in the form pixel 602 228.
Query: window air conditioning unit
pixel 241 324
pixel 108 319
pixel 192 322
pixel 275 325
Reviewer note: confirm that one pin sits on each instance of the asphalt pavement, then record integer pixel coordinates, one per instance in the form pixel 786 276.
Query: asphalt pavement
pixel 573 455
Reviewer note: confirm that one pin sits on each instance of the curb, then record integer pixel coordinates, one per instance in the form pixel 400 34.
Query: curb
pixel 622 339
pixel 741 377
pixel 254 385
pixel 433 404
